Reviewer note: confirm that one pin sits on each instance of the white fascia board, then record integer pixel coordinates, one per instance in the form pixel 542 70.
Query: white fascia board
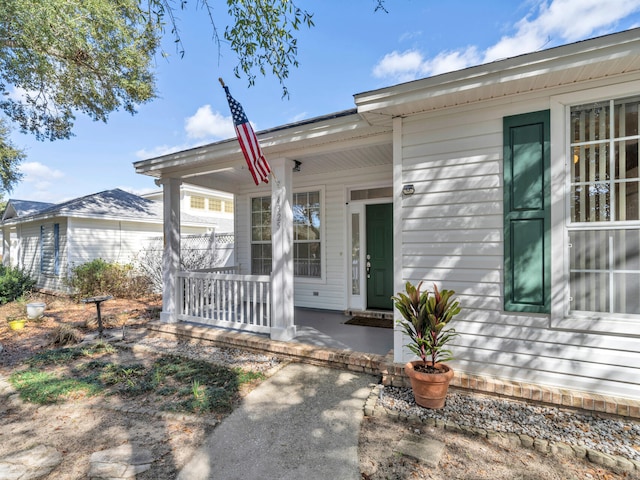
pixel 226 154
pixel 579 54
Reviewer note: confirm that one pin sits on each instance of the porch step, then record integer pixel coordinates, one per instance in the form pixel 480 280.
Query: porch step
pixel 298 352
pixel 384 314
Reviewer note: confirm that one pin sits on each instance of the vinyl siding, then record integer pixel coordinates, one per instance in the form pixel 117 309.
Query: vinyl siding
pixel 452 234
pixel 111 240
pixel 331 289
pixel 82 240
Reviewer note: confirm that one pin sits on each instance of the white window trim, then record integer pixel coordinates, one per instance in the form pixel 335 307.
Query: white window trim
pixel 560 106
pixel 323 226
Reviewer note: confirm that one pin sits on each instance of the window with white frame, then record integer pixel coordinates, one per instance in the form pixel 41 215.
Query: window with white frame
pixel 307 240
pixel 604 223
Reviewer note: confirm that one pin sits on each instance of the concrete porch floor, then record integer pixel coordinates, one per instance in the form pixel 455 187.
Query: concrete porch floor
pixel 327 328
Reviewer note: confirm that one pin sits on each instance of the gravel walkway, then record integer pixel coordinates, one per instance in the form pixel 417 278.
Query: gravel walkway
pixel 613 436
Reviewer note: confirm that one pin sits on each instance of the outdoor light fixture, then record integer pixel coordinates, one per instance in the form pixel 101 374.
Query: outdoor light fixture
pixel 296 167
pixel 408 190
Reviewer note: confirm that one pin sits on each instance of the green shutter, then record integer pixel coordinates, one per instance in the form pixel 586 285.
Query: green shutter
pixel 527 213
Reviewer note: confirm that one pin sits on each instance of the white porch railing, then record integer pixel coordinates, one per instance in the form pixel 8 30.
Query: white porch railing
pixel 240 302
pixel 229 270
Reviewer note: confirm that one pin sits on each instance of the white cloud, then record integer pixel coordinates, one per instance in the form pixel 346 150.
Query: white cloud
pixel 206 124
pixel 139 191
pixel 37 180
pixel 299 117
pixel 450 61
pixel 36 172
pixel 410 36
pixel 547 24
pixel 401 66
pixel 159 151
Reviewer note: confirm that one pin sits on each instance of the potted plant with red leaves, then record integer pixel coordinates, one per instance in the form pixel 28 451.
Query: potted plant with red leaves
pixel 425 320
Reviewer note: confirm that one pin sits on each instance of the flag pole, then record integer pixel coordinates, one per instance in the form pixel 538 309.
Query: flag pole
pixel 271 174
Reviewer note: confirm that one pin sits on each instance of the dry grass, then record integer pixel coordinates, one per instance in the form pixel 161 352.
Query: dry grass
pixel 63 315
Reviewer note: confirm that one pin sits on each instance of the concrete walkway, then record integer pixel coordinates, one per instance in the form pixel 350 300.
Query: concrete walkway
pixel 302 423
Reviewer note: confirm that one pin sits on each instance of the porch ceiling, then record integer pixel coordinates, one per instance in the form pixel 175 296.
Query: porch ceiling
pixel 235 179
pixel 337 142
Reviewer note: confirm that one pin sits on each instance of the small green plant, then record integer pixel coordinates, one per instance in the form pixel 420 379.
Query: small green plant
pixel 195 389
pixel 425 318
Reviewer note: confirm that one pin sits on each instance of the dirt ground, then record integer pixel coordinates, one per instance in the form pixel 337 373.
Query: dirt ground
pixel 465 457
pixel 84 425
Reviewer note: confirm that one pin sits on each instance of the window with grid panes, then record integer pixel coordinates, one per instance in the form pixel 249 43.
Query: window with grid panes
pixel 215 205
pixel 306 235
pixel 604 227
pixel 197 202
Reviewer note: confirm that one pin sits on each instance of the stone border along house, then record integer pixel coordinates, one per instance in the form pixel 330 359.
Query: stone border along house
pixel 48 240
pixel 514 183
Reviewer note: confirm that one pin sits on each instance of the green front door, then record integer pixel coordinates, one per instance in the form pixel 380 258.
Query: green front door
pixel 379 256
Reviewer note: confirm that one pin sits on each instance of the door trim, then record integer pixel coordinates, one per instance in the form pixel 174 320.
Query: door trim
pixel 358 302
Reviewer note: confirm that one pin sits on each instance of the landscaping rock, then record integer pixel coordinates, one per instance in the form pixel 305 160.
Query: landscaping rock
pixel 425 449
pixel 123 462
pixel 29 464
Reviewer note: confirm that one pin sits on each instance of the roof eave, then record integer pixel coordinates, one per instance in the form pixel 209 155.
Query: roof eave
pixel 273 141
pixel 400 99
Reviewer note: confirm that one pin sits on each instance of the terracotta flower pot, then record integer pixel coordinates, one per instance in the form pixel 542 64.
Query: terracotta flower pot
pixel 429 389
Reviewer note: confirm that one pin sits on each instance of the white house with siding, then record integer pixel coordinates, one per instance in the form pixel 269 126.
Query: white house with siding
pixel 514 183
pixel 215 206
pixel 48 240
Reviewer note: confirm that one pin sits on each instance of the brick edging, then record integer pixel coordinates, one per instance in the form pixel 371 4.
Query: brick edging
pixel 541 394
pixel 392 374
pixel 616 463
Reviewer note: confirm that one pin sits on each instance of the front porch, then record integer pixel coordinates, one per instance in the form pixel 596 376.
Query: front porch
pixel 301 240
pixel 221 298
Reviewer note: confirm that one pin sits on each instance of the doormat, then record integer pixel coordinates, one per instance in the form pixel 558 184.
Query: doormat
pixel 370 322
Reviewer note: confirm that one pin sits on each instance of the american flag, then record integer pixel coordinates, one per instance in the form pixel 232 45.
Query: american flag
pixel 256 161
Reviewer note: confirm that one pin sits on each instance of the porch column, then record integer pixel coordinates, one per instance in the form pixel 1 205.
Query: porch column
pixel 6 247
pixel 282 322
pixel 171 252
pixel 398 270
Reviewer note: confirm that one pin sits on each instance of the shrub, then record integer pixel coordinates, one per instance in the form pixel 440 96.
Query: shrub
pixel 99 277
pixel 14 283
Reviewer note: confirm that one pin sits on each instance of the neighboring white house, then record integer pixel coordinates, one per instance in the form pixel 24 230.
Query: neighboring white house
pixel 48 240
pixel 514 183
pixel 214 205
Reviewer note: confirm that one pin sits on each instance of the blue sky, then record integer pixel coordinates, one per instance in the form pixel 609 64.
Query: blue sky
pixel 351 49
